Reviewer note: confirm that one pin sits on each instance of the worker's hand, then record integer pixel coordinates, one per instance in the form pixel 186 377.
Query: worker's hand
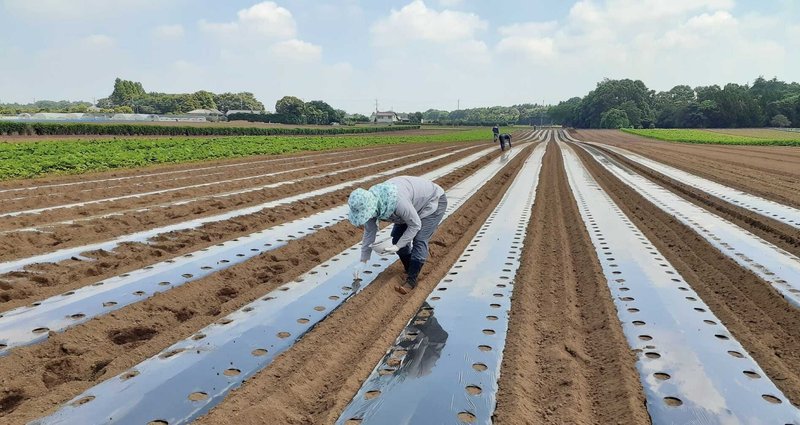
pixel 391 249
pixel 358 270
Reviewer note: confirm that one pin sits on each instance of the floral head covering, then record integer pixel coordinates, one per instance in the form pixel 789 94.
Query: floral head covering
pixel 386 194
pixel 363 206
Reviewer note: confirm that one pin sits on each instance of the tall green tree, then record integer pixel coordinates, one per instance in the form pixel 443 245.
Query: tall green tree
pixel 614 118
pixel 780 121
pixel 239 101
pixel 125 92
pixel 292 108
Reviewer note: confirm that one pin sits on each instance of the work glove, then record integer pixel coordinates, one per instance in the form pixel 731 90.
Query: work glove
pixel 391 249
pixel 358 270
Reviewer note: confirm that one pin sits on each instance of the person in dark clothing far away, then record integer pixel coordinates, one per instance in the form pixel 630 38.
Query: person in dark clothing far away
pixel 505 141
pixel 415 206
pixel 496 132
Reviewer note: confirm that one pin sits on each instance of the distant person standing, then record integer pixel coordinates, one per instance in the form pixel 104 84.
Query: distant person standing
pixel 496 132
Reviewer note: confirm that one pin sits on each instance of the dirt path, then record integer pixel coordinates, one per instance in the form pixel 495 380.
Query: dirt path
pixel 769 171
pixel 37 379
pixel 566 359
pixel 760 319
pixel 314 381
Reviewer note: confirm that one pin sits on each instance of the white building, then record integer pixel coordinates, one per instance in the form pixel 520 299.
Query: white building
pixel 388 117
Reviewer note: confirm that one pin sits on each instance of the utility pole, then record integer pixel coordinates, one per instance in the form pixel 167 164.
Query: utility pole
pixel 458 108
pixel 376 106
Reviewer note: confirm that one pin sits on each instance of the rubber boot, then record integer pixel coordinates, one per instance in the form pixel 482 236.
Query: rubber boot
pixel 414 267
pixel 405 258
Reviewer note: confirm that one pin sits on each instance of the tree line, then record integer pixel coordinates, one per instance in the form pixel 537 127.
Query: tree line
pixel 524 114
pixel 132 95
pixel 629 103
pixel 43 106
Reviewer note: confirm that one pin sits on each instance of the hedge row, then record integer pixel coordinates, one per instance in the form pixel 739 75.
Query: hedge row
pixel 267 118
pixel 8 128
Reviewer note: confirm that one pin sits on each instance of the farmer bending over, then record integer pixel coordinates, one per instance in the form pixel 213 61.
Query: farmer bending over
pixel 415 206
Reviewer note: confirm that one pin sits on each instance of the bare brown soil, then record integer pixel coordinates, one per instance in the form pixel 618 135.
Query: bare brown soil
pixel 44 280
pixel 189 167
pixel 37 379
pixel 132 217
pixel 314 381
pixel 760 319
pixel 131 203
pixel 769 171
pixel 566 359
pixel 780 234
pixel 147 182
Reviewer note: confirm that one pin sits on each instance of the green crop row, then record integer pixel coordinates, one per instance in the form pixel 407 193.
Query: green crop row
pixel 94 129
pixel 30 159
pixel 707 137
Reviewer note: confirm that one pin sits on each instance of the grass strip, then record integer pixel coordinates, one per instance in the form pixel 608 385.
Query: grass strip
pixel 708 137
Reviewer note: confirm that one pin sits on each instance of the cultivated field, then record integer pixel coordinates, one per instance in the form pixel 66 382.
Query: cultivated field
pixel 759 133
pixel 582 277
pixel 728 137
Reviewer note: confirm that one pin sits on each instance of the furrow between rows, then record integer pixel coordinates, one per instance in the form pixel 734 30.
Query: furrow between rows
pixel 216 359
pixel 692 368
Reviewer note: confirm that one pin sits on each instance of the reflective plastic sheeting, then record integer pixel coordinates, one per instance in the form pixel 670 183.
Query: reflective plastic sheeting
pixel 691 367
pixel 190 377
pixel 444 366
pixel 31 324
pixel 770 209
pixel 769 262
pixel 145 235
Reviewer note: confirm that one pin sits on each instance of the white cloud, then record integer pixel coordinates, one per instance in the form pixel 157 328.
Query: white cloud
pixel 700 31
pixel 296 50
pixel 264 29
pixel 529 39
pixel 529 46
pixel 530 29
pixel 793 33
pixel 634 12
pixel 266 19
pixel 168 32
pixel 451 3
pixel 76 9
pixel 417 22
pixel 98 40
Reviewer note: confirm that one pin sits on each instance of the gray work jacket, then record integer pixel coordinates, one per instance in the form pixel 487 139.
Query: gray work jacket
pixel 417 198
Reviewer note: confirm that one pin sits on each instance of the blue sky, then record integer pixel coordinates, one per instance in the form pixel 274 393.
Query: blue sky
pixel 410 55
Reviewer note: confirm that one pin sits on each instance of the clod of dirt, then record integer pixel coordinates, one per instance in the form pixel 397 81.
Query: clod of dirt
pixel 132 334
pixel 63 370
pixel 183 314
pixel 10 400
pixel 227 293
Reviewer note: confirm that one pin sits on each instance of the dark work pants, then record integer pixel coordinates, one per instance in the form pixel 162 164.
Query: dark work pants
pixel 415 255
